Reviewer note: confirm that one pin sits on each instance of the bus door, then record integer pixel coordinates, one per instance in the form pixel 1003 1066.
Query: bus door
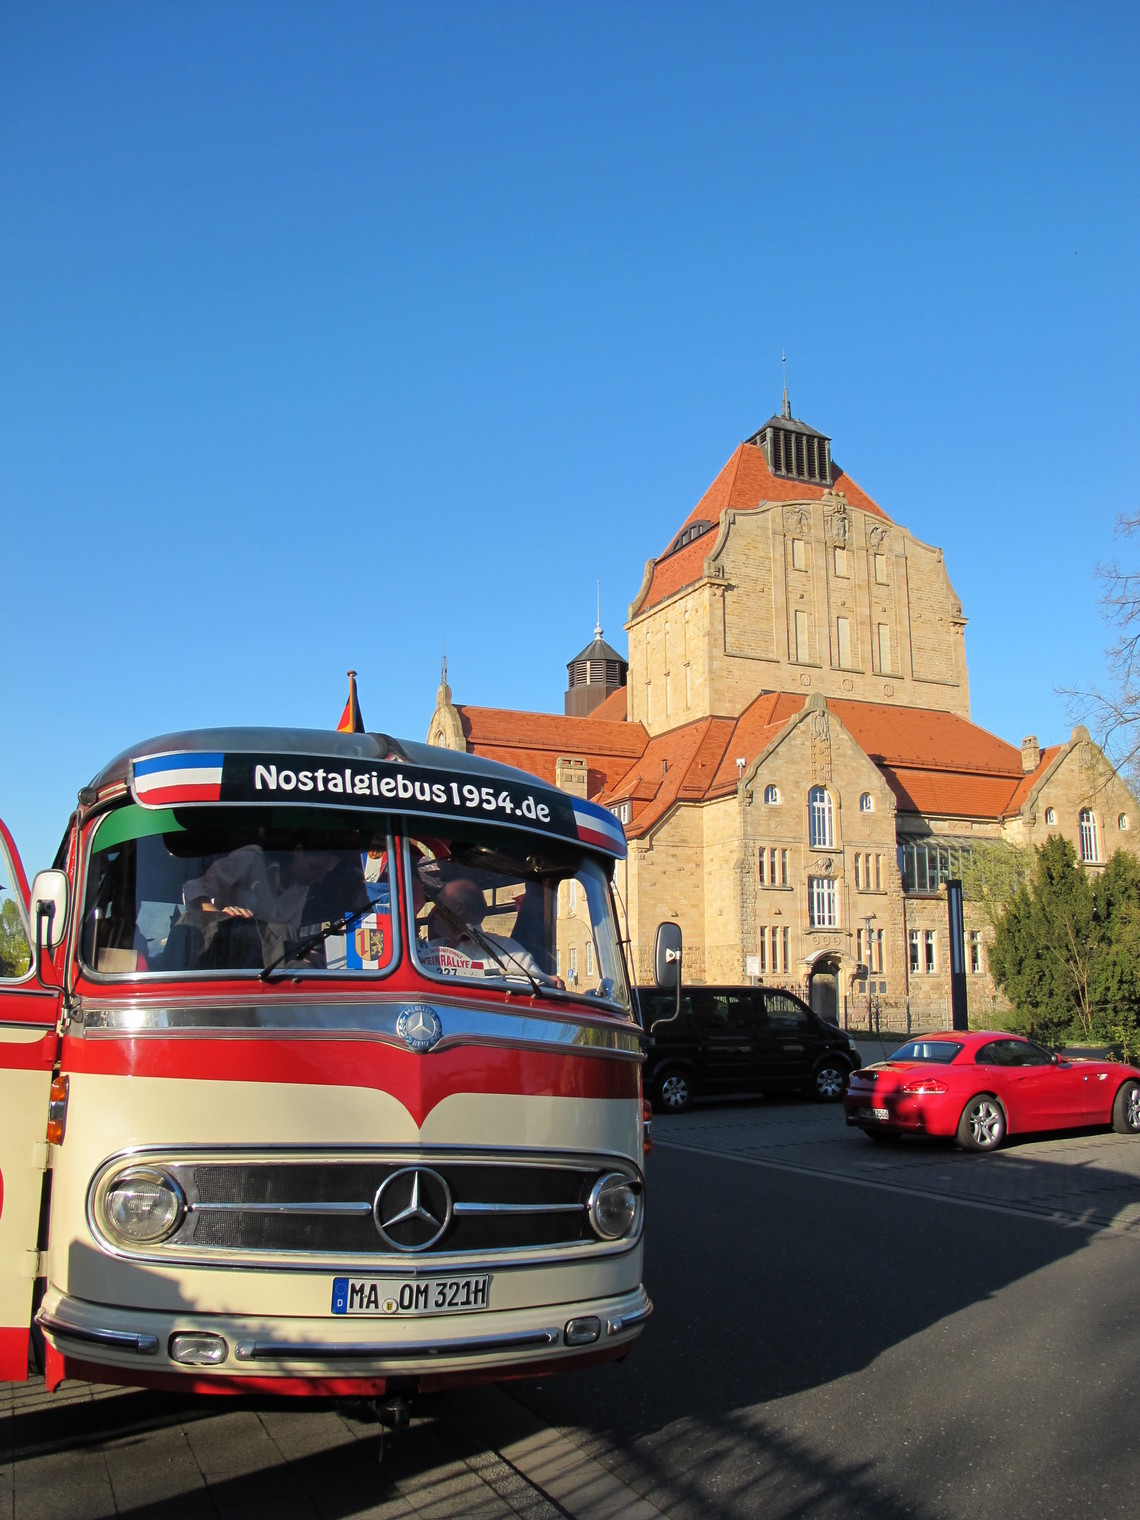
pixel 29 1014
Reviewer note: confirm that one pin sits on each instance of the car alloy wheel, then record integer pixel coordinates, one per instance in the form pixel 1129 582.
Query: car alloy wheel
pixel 982 1125
pixel 1126 1109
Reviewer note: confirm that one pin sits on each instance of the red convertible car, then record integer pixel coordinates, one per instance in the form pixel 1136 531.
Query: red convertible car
pixel 981 1087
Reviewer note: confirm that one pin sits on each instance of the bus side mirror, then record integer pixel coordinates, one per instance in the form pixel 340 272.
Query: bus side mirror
pixel 49 909
pixel 667 955
pixel 667 966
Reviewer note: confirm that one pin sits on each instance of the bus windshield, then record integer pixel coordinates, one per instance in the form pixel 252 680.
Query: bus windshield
pixel 194 890
pixel 184 891
pixel 514 910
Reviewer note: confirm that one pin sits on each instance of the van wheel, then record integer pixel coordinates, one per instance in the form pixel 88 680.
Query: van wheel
pixel 830 1081
pixel 672 1092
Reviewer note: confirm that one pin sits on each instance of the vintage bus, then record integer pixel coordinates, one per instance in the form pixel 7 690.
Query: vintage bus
pixel 320 1075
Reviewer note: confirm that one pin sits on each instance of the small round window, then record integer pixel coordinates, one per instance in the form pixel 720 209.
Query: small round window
pixel 771 794
pixel 866 803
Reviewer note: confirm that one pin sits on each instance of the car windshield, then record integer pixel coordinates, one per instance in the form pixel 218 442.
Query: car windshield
pixel 203 890
pixel 940 1052
pixel 537 917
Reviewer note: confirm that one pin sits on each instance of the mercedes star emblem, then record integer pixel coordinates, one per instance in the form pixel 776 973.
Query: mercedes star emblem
pixel 419 1027
pixel 412 1208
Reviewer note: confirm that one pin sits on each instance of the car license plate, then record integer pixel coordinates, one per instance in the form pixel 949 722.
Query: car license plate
pixel 392 1297
pixel 874 1113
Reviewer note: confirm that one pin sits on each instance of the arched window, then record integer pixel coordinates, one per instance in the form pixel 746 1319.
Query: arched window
pixel 1122 823
pixel 1050 816
pixel 821 832
pixel 1090 850
pixel 771 794
pixel 866 803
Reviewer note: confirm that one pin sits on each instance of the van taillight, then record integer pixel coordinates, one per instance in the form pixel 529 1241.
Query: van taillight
pixel 57 1110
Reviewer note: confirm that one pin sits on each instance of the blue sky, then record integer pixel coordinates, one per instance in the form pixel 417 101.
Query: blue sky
pixel 335 333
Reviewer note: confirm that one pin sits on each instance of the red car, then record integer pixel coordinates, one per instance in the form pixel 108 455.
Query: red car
pixel 980 1087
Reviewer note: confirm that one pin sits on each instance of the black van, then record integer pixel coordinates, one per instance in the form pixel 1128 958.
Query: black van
pixel 741 1039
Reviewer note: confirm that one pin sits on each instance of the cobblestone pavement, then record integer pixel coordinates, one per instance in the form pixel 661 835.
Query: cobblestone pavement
pixel 86 1452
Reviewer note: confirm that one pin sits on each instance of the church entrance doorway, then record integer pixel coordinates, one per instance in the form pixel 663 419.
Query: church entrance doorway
pixel 825 988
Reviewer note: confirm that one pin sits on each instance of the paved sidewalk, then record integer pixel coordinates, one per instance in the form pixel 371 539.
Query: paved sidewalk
pixel 86 1452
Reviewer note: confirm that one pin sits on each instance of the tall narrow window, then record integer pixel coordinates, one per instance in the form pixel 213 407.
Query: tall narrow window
pixel 881 569
pixel 801 637
pixel 821 830
pixel 763 947
pixel 783 869
pixel 799 554
pixel 823 902
pixel 928 952
pixel 785 936
pixel 975 950
pixel 858 872
pixel 885 648
pixel 913 951
pixel 843 642
pixel 1090 848
pixel 878 873
pixel 841 562
pixel 775 949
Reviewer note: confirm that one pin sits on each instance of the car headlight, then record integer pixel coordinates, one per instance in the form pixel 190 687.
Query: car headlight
pixel 142 1205
pixel 614 1206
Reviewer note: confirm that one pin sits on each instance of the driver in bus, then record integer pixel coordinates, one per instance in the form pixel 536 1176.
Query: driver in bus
pixel 458 945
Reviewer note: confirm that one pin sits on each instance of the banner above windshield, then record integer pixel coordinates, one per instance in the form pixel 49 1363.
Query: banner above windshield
pixel 187 778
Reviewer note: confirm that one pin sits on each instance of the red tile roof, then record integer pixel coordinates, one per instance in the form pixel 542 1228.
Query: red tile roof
pixel 534 741
pixel 744 483
pixel 936 763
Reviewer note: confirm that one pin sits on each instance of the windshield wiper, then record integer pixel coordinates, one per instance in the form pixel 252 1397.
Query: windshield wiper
pixel 311 941
pixel 485 942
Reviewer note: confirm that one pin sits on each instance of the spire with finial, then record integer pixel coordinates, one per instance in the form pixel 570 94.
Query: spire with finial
pixel 598 624
pixel 786 410
pixel 443 696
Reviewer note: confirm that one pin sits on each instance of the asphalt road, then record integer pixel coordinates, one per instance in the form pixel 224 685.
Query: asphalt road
pixel 841 1329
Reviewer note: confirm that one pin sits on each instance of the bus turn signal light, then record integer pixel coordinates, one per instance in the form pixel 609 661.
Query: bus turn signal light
pixel 57 1111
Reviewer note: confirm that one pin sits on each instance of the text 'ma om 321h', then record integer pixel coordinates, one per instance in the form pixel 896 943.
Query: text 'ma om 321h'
pixel 320 1075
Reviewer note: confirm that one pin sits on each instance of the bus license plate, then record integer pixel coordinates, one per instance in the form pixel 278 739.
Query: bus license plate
pixel 874 1113
pixel 392 1297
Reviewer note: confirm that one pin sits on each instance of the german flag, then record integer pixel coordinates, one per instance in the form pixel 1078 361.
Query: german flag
pixel 350 720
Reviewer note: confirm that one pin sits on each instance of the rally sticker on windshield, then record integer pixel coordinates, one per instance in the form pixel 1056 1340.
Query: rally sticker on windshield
pixel 180 778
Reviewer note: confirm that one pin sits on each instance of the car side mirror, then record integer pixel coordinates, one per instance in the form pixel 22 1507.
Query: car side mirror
pixel 49 909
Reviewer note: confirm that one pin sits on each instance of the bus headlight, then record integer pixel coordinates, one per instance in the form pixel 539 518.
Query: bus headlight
pixel 141 1206
pixel 614 1206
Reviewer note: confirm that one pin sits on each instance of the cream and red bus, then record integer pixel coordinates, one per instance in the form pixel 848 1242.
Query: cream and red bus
pixel 320 1075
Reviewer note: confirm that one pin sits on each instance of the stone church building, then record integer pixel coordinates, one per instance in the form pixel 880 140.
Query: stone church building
pixel 790 748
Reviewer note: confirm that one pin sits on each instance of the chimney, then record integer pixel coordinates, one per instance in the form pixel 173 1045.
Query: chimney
pixel 1030 754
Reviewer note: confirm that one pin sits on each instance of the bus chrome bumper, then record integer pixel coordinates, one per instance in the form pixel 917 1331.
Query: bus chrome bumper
pixel 96 1334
